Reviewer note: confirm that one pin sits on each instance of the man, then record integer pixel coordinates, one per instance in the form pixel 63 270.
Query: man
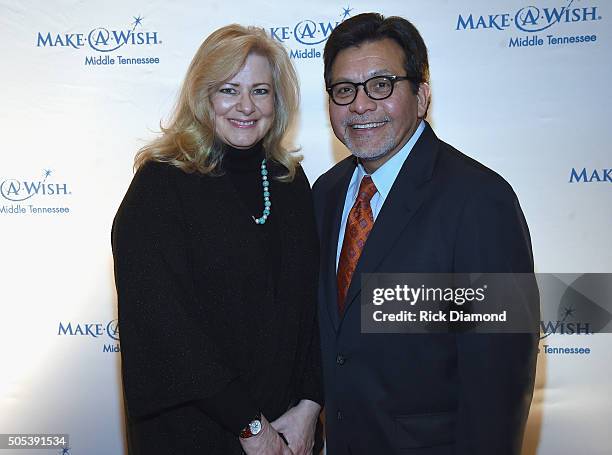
pixel 422 206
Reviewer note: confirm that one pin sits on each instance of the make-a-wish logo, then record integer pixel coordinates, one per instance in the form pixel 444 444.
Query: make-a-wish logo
pixel 578 313
pixel 584 175
pixel 308 32
pixel 15 190
pixel 21 196
pixel 101 39
pixel 529 19
pixel 566 324
pixel 94 330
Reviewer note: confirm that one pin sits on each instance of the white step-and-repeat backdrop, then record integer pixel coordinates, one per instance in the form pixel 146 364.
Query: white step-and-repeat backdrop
pixel 523 86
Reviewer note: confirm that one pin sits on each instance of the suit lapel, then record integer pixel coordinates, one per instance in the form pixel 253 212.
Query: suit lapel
pixel 407 194
pixel 332 219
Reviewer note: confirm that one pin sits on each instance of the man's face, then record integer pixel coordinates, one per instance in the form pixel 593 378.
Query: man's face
pixel 375 130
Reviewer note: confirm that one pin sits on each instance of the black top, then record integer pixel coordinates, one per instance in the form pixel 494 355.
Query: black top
pixel 243 166
pixel 212 332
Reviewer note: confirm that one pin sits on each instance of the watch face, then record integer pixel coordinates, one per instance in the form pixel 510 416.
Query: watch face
pixel 255 426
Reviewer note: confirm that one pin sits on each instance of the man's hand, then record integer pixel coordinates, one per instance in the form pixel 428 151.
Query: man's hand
pixel 267 442
pixel 298 426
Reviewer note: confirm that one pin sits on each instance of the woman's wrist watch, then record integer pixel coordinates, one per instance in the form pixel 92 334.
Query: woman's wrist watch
pixel 253 428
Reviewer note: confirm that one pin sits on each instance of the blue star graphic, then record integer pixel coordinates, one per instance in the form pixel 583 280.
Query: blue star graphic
pixel 47 172
pixel 137 20
pixel 568 312
pixel 346 12
pixel 64 451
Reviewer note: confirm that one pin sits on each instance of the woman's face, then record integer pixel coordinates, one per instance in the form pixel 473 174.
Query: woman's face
pixel 244 104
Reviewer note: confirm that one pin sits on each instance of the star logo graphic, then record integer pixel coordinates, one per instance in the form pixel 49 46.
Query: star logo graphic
pixel 137 20
pixel 346 12
pixel 568 312
pixel 47 172
pixel 64 451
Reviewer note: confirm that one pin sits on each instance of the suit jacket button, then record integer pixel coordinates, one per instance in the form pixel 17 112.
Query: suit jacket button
pixel 339 415
pixel 340 359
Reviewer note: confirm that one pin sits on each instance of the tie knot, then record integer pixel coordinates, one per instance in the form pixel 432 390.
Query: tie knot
pixel 367 189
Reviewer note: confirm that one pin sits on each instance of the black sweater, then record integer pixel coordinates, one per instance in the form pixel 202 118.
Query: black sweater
pixel 244 170
pixel 214 327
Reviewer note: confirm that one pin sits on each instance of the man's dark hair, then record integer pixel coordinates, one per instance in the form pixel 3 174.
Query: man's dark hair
pixel 368 27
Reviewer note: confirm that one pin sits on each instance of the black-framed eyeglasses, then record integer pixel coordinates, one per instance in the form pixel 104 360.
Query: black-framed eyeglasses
pixel 377 88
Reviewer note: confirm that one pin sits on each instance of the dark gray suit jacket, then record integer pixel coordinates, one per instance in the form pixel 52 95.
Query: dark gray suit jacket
pixel 433 394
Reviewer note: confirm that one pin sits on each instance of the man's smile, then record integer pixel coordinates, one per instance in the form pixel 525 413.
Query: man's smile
pixel 361 126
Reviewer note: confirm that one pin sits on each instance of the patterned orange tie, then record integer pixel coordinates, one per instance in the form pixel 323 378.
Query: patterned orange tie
pixel 358 226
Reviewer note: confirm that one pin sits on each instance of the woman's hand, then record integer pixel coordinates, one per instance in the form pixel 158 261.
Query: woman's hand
pixel 298 426
pixel 267 442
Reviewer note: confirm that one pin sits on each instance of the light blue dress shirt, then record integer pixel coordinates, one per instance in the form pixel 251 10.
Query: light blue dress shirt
pixel 383 179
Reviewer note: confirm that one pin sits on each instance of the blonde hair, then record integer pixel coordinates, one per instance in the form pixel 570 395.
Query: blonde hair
pixel 189 141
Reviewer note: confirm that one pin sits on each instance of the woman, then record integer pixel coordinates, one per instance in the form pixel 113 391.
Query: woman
pixel 216 257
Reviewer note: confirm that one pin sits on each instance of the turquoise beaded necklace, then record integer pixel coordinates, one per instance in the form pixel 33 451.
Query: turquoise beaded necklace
pixel 266 195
